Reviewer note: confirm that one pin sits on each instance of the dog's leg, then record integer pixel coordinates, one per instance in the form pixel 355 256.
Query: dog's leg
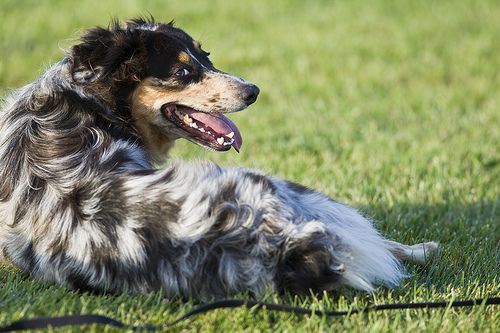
pixel 358 255
pixel 309 262
pixel 417 253
pixel 365 257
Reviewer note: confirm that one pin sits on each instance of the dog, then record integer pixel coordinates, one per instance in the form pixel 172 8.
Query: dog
pixel 84 206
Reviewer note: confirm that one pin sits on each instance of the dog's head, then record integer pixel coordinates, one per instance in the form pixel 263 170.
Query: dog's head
pixel 161 79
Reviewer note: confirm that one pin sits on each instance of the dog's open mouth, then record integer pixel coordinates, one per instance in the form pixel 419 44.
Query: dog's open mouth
pixel 212 130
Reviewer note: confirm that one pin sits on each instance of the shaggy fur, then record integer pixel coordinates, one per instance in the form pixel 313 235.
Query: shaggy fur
pixel 83 205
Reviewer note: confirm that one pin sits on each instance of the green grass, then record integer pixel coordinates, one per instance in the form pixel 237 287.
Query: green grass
pixel 391 106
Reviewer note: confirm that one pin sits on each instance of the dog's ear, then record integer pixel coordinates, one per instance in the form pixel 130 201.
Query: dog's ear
pixel 87 56
pixel 106 53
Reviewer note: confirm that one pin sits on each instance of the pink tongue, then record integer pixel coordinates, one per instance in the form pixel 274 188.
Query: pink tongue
pixel 219 123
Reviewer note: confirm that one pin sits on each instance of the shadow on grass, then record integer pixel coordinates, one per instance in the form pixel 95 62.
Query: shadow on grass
pixel 468 233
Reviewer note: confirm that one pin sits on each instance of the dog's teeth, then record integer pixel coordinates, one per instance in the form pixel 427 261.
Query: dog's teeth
pixel 193 124
pixel 187 119
pixel 220 140
pixel 230 135
pixel 201 129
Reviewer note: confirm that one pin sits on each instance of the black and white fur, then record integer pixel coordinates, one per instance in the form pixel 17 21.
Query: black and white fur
pixel 83 205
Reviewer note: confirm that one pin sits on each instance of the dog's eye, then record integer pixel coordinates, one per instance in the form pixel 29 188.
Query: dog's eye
pixel 182 72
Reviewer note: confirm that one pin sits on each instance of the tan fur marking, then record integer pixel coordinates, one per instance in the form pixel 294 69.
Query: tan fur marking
pixel 184 57
pixel 147 119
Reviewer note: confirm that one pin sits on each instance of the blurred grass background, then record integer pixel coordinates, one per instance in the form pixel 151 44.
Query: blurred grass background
pixel 390 106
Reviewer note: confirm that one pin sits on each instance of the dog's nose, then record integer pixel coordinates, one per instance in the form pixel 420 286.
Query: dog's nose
pixel 250 93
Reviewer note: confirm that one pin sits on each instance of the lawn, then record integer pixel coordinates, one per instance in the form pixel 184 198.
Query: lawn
pixel 390 106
